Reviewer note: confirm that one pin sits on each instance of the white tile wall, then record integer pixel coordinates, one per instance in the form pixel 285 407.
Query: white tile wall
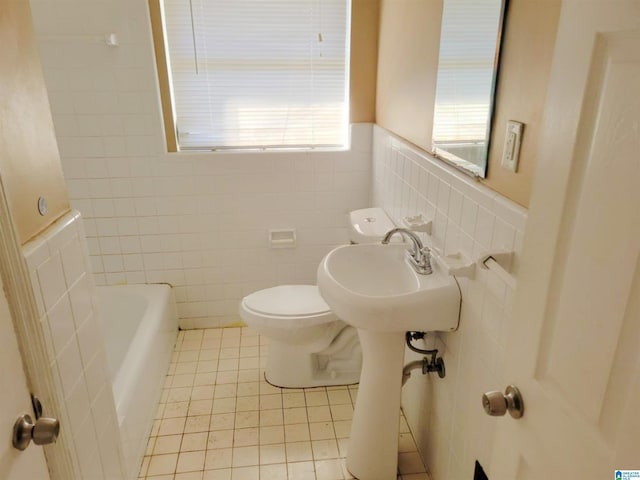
pixel 446 416
pixel 64 290
pixel 197 221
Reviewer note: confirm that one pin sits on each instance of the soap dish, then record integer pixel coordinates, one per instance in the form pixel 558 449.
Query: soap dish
pixel 417 223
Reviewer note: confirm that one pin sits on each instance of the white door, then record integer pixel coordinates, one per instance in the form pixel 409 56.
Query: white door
pixel 15 400
pixel 574 348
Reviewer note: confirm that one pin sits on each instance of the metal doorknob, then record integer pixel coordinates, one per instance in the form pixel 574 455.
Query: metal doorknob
pixel 497 404
pixel 43 432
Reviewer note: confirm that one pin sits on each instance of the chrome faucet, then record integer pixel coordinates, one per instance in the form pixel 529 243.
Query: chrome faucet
pixel 419 256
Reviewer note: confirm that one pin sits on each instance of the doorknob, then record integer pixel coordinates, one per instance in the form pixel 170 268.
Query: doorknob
pixel 43 432
pixel 497 404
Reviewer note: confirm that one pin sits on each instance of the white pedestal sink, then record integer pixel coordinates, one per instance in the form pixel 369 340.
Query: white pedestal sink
pixel 373 288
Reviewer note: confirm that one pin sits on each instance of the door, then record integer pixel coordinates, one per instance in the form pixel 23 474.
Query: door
pixel 14 464
pixel 574 347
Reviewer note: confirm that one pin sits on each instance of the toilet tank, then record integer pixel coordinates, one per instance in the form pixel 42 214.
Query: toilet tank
pixel 368 225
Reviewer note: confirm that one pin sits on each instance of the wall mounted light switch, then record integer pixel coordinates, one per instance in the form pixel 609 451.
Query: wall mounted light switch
pixel 511 151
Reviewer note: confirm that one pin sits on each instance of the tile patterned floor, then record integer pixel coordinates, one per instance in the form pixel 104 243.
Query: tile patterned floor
pixel 218 419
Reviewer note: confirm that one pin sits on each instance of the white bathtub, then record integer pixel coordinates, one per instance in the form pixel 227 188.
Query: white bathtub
pixel 140 327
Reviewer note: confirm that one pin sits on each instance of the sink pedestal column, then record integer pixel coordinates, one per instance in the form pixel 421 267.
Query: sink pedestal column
pixel 373 445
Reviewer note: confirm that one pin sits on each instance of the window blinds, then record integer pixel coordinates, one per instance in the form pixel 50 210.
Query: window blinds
pixel 465 70
pixel 258 73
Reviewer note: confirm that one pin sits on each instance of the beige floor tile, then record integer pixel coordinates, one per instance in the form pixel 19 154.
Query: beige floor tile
pixel 342 428
pixel 185 367
pixel 219 458
pixel 224 405
pixel 205 379
pixel 222 421
pixel 272 454
pixel 298 451
pixel 233 352
pixel 188 356
pixel 271 435
pixel 406 443
pixel 245 473
pixel 342 412
pixel 248 419
pixel 252 375
pixel 329 470
pixel 319 414
pixel 245 437
pixel 227 390
pixel 172 426
pixel 219 474
pixel 339 397
pixel 410 462
pixel 269 418
pixel 249 363
pixel 200 407
pixel 191 461
pixel 181 394
pixel 270 401
pixel 203 392
pixel 185 380
pixel 273 472
pixel 293 400
pixel 227 377
pixel 295 415
pixel 209 354
pixel 249 351
pixel 176 409
pixel 194 441
pixel 245 456
pixel 188 476
pixel 248 389
pixel 316 398
pixel 301 471
pixel 207 366
pixel 167 444
pixel 219 419
pixel 220 439
pixel 246 404
pixel 321 430
pixel 324 449
pixel 162 464
pixel 199 423
pixel 296 433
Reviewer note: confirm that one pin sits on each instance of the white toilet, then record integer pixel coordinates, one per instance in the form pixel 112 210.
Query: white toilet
pixel 310 346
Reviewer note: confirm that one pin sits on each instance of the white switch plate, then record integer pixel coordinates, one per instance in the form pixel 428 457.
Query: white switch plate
pixel 511 151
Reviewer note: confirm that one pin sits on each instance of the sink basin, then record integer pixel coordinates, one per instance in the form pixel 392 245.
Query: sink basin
pixel 374 287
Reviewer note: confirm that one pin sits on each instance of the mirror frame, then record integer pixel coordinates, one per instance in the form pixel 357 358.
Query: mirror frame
pixel 465 166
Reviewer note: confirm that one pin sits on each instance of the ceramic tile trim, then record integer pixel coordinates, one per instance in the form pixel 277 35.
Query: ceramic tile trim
pixel 451 428
pixel 64 291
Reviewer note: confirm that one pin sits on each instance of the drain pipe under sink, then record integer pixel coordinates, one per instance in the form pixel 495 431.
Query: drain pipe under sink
pixel 435 364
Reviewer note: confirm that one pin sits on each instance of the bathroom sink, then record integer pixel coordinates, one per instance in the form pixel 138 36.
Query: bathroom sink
pixel 373 287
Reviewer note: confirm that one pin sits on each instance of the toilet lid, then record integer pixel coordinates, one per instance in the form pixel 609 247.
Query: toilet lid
pixel 288 300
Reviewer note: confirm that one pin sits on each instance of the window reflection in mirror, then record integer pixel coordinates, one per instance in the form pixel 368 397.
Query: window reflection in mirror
pixel 467 70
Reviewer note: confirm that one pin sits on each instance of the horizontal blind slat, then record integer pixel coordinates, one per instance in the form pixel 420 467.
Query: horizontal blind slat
pixel 254 72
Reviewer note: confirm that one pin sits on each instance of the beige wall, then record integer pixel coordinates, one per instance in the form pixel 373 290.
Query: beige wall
pixel 407 63
pixel 365 16
pixel 522 86
pixel 29 160
pixel 407 67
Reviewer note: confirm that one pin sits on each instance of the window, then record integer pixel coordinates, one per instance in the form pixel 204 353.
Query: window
pixel 258 73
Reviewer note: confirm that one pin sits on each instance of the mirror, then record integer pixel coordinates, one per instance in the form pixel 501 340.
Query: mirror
pixel 467 74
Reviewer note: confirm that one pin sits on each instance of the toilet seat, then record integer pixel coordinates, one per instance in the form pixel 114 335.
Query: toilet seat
pixel 287 306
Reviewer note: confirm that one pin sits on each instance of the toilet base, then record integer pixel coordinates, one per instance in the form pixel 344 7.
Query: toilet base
pixel 293 366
